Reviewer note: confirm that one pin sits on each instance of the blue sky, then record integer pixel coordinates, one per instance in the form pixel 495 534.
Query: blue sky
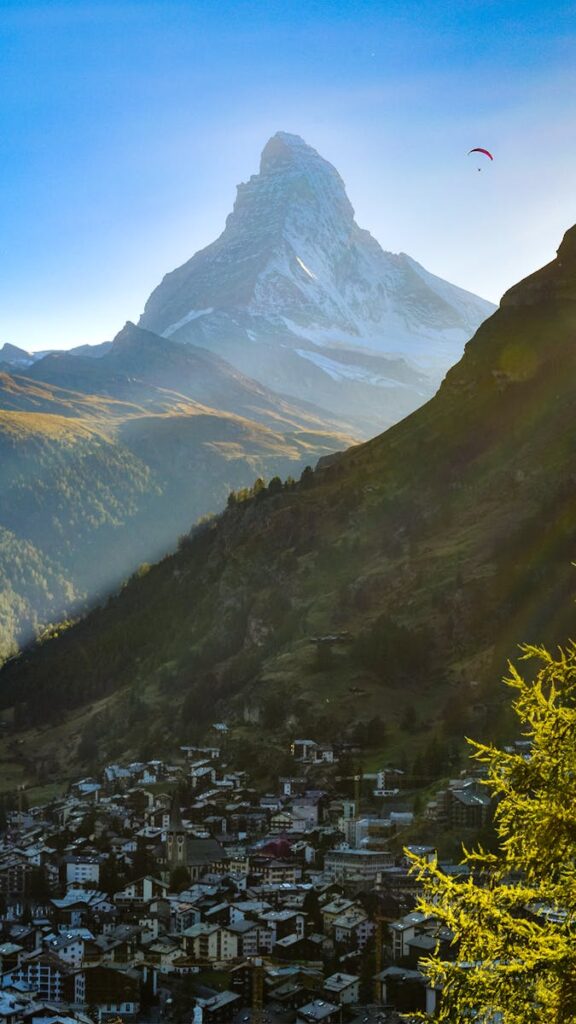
pixel 125 127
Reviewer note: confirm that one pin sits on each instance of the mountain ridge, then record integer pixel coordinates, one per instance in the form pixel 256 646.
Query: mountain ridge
pixel 435 548
pixel 105 473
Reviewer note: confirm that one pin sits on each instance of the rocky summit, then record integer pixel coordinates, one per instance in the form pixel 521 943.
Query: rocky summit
pixel 295 294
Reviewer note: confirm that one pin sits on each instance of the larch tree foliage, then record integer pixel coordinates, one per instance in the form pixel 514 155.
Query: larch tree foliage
pixel 514 917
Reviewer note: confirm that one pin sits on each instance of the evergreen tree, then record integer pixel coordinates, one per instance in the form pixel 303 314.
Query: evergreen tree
pixel 275 486
pixel 514 919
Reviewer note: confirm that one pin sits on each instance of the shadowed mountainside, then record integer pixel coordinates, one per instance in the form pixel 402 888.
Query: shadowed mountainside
pixel 106 461
pixel 433 549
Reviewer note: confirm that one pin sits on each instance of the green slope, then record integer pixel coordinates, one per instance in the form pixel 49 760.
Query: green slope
pixel 437 547
pixel 92 486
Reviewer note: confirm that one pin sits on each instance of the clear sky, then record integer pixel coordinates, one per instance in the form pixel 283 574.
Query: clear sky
pixel 125 127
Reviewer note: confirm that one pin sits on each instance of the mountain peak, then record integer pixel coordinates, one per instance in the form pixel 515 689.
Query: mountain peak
pixel 293 181
pixel 284 149
pixel 296 295
pixel 131 334
pixel 12 354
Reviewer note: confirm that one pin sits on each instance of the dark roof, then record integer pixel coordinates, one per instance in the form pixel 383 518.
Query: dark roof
pixel 201 851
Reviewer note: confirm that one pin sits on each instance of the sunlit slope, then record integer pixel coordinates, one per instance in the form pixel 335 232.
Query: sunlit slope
pixel 437 547
pixel 91 486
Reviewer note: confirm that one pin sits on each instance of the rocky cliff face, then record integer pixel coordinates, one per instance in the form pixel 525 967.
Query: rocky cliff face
pixel 298 296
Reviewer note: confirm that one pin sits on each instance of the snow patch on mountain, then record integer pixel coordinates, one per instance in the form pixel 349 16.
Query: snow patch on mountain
pixel 194 314
pixel 347 371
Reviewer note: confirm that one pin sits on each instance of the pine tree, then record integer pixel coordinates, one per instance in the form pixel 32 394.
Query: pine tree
pixel 514 918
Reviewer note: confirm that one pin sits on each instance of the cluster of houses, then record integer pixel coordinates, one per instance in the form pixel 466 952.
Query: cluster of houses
pixel 180 893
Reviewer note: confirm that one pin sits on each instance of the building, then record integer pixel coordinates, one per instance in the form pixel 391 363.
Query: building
pixel 351 864
pixel 342 988
pixel 198 854
pixel 83 871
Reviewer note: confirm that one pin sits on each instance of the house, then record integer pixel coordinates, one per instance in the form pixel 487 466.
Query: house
pixel 403 931
pixel 193 752
pixel 469 806
pixel 219 1008
pixel 9 955
pixel 142 890
pixel 334 909
pixel 182 916
pixel 303 750
pixel 13 1005
pixel 15 871
pixel 318 1012
pixel 283 922
pixel 111 991
pixel 281 822
pixel 211 942
pixel 248 937
pixel 68 946
pixel 291 786
pixel 342 988
pixel 202 774
pixel 352 929
pixel 324 753
pixel 307 811
pixel 76 907
pixel 403 988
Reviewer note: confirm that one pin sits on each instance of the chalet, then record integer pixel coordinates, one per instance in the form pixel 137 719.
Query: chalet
pixel 111 991
pixel 303 750
pixel 403 931
pixel 334 909
pixel 210 942
pixel 352 929
pixel 10 953
pixel 141 891
pixel 248 937
pixel 342 988
pixel 403 988
pixel 318 1012
pixel 219 1008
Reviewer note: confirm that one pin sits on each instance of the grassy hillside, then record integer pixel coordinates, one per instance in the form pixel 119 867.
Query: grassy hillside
pixel 91 486
pixel 432 550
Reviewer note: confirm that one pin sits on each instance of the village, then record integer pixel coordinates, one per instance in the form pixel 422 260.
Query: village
pixel 178 892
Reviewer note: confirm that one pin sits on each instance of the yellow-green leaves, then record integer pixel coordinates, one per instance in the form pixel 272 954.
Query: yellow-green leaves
pixel 514 918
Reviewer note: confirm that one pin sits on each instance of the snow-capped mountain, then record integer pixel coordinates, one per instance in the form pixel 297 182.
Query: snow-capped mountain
pixel 296 295
pixel 11 355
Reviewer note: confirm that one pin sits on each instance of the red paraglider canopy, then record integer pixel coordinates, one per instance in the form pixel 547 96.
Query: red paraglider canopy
pixel 479 150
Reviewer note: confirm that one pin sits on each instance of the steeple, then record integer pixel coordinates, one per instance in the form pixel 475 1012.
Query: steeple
pixel 176 823
pixel 176 836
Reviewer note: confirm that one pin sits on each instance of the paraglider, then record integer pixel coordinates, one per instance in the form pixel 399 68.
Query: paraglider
pixel 478 149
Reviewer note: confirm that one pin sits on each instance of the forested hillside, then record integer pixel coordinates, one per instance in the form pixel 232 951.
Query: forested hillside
pixel 398 575
pixel 94 482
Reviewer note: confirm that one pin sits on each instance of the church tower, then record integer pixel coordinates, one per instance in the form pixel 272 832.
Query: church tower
pixel 176 837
